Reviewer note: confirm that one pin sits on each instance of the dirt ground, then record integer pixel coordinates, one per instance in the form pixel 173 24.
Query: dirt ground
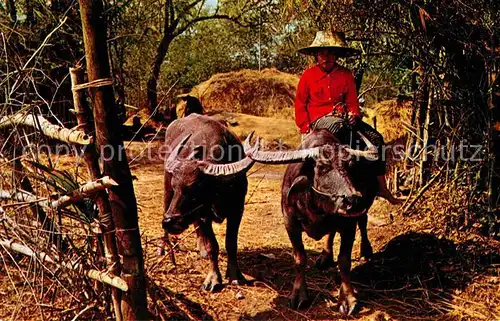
pixel 416 273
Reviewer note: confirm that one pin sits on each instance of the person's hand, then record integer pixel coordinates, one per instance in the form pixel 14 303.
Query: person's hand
pixel 352 119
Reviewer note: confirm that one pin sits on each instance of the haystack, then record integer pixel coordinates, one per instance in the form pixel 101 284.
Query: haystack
pixel 391 115
pixel 267 93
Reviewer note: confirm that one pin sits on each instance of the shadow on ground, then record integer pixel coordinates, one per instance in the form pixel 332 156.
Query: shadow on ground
pixel 412 277
pixel 174 306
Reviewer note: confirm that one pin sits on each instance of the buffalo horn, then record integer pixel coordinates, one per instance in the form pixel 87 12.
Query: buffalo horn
pixel 172 160
pixel 370 154
pixel 285 157
pixel 227 169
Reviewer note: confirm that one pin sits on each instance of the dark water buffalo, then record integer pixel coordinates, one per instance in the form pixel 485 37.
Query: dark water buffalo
pixel 193 105
pixel 205 181
pixel 326 189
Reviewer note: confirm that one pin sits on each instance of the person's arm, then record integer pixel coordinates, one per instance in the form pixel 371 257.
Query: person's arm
pixel 301 100
pixel 351 97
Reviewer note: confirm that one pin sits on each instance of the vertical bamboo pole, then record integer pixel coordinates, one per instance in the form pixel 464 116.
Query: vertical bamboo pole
pixel 90 157
pixel 108 135
pixel 425 136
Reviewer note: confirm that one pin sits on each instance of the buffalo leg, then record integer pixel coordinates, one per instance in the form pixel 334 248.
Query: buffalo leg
pixel 366 250
pixel 233 272
pixel 200 245
pixel 213 280
pixel 325 259
pixel 347 300
pixel 299 298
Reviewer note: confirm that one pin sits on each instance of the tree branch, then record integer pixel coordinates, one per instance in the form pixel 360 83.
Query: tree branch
pixel 103 277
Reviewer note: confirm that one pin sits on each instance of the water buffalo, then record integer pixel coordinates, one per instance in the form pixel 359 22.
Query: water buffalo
pixel 327 188
pixel 205 181
pixel 193 105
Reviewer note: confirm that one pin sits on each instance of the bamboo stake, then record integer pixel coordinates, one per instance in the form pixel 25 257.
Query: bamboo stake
pixel 67 135
pixel 425 136
pixel 90 156
pixel 44 257
pixel 123 203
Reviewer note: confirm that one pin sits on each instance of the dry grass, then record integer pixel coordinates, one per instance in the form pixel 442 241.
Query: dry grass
pixel 390 118
pixel 268 93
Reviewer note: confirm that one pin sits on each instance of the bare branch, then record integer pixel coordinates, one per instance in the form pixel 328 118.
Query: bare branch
pixel 45 257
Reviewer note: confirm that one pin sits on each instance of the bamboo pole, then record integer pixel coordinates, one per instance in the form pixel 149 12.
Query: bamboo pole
pixel 103 277
pixel 76 196
pixel 84 192
pixel 90 156
pixel 122 198
pixel 425 136
pixel 67 135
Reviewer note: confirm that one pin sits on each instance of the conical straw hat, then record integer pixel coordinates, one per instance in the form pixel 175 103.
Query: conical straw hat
pixel 334 41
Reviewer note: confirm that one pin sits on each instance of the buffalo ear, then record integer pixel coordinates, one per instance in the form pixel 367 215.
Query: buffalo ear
pixel 300 186
pixel 197 153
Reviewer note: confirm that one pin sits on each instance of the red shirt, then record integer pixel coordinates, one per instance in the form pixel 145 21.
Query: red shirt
pixel 318 92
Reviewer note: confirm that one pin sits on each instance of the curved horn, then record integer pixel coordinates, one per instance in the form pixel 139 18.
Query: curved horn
pixel 227 169
pixel 172 160
pixel 247 147
pixel 368 143
pixel 240 166
pixel 370 154
pixel 285 157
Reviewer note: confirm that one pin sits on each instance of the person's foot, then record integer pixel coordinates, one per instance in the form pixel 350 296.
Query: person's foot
pixel 385 193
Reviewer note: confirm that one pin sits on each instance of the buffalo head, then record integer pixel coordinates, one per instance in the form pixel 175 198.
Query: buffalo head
pixel 192 182
pixel 330 182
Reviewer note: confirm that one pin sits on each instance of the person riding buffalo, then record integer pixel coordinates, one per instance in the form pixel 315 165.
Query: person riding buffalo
pixel 326 98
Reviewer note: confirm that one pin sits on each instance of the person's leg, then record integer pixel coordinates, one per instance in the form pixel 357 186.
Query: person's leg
pixel 333 124
pixel 378 140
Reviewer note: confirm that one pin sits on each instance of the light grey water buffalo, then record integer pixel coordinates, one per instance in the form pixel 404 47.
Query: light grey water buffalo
pixel 327 188
pixel 205 182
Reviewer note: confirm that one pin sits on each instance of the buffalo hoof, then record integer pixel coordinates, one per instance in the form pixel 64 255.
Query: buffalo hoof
pixel 347 304
pixel 213 282
pixel 325 261
pixel 235 277
pixel 299 300
pixel 366 251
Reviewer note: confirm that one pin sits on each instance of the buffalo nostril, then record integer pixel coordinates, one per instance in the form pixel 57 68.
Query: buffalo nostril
pixel 166 222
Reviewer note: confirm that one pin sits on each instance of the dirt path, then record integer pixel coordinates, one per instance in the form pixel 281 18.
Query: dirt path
pixel 412 275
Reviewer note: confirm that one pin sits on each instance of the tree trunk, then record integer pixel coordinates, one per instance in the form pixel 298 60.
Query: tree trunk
pixel 161 52
pixel 108 135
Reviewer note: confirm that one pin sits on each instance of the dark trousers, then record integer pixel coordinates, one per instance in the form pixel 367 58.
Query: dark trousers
pixel 346 133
